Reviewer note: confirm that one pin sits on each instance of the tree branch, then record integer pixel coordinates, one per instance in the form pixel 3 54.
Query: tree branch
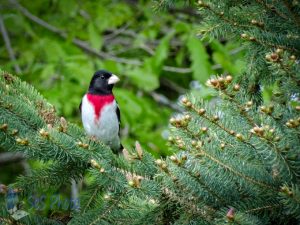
pixel 8 46
pixel 85 46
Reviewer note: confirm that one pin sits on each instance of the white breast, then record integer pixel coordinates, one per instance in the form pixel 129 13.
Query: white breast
pixel 106 128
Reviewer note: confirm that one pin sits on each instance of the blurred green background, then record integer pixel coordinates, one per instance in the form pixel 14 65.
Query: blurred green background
pixel 159 56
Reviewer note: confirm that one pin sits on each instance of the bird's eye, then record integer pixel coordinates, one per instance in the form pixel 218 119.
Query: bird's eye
pixel 102 77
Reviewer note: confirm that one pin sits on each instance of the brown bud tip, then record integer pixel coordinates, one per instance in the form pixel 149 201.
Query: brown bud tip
pixel 3 189
pixel 232 132
pixel 244 36
pixel 221 13
pixel 188 104
pixel 254 22
pixel 173 158
pixel 277 138
pixel 261 24
pixel 22 141
pixel 14 132
pixel 194 143
pixel 216 118
pixel 268 57
pixel 184 100
pixel 44 133
pixel 63 124
pixel 4 127
pixel 106 197
pixel 181 146
pixel 228 78
pixel 279 50
pixel 139 149
pixel 164 166
pixel 252 38
pixel 204 129
pixel 222 146
pixel 249 104
pixel 239 136
pixel 293 57
pixel 187 117
pixel 184 157
pixel 236 87
pixel 274 56
pixel 230 214
pixel 201 111
pixel 172 120
pixel 84 145
pixel 158 162
pixel 95 164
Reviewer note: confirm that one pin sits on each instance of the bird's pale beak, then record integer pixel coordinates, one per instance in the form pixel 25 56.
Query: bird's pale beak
pixel 113 79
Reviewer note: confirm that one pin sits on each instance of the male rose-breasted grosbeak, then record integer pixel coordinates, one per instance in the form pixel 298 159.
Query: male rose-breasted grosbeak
pixel 100 113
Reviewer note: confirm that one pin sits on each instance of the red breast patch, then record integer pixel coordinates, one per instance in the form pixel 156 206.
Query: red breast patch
pixel 99 101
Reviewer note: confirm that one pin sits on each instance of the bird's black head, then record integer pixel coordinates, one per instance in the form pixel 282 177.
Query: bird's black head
pixel 102 83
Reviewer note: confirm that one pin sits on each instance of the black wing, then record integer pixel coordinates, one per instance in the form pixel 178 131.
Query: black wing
pixel 119 120
pixel 80 106
pixel 119 117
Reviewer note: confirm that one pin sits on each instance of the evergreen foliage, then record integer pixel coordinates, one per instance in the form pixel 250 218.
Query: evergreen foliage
pixel 237 160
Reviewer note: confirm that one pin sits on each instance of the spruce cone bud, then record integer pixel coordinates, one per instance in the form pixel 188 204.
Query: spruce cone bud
pixel 228 79
pixel 181 146
pixel 22 141
pixel 173 158
pixel 44 133
pixel 172 120
pixel 236 87
pixel 268 57
pixel 249 104
pixel 14 132
pixel 194 143
pixel 298 108
pixel 216 118
pixel 159 162
pixel 232 132
pixel 277 138
pixel 222 146
pixel 261 24
pixel 184 157
pixel 187 117
pixel 4 127
pixel 184 100
pixel 188 104
pixel 293 57
pixel 254 22
pixel 244 36
pixel 164 166
pixel 230 214
pixel 252 38
pixel 201 111
pixel 274 57
pixel 202 4
pixel 239 137
pixel 279 51
pixel 204 129
pixel 95 164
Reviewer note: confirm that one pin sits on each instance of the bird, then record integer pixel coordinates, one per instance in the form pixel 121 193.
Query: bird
pixel 100 113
